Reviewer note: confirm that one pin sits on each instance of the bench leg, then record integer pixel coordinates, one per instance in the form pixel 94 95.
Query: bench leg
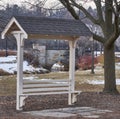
pixel 22 101
pixel 69 99
pixel 72 98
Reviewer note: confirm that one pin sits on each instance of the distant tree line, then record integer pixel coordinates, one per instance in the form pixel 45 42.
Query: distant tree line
pixel 13 10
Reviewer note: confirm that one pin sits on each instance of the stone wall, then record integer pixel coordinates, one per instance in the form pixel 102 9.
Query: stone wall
pixel 48 57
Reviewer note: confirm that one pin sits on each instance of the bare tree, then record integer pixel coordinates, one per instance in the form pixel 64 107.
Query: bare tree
pixel 108 20
pixel 47 8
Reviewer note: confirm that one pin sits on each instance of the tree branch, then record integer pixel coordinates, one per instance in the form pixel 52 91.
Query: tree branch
pixel 99 10
pixel 115 34
pixel 69 8
pixel 99 38
pixel 95 21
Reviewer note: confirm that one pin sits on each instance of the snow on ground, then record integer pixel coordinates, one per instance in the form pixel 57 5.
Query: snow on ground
pixel 9 64
pixel 45 80
pixel 57 67
pixel 101 82
pixel 30 78
pixel 9 59
pixel 117 66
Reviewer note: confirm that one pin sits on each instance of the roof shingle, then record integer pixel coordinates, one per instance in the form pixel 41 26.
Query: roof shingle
pixel 53 26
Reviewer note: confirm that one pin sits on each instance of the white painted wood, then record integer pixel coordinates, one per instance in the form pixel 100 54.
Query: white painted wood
pixel 44 89
pixel 49 81
pixel 51 93
pixel 20 43
pixel 72 45
pixel 68 88
pixel 22 101
pixel 45 93
pixel 9 25
pixel 44 85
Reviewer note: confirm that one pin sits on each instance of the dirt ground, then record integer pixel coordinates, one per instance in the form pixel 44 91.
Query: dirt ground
pixel 85 99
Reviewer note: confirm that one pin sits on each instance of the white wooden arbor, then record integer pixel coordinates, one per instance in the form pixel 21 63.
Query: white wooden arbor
pixel 23 27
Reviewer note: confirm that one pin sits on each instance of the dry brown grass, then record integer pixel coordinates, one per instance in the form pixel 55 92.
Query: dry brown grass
pixel 8 83
pixel 9 52
pixel 3 73
pixel 100 59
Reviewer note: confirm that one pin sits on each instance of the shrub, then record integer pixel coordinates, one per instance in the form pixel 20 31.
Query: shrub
pixel 3 73
pixel 32 59
pixel 9 52
pixel 47 66
pixel 28 57
pixel 85 62
pixel 100 59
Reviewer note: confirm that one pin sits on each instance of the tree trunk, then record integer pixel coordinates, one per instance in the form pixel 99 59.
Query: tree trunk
pixel 109 70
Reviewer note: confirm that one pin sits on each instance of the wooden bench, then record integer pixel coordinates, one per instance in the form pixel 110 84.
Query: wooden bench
pixel 48 87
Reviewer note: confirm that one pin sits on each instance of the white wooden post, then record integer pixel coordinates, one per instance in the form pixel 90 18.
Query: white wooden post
pixel 72 44
pixel 20 44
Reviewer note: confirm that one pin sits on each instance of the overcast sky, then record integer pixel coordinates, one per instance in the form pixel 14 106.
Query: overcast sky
pixel 19 2
pixel 12 1
pixel 49 3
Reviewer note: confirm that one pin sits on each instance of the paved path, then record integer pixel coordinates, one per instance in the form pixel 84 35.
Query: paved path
pixel 69 113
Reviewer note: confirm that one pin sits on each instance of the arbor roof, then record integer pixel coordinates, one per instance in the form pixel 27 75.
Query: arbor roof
pixel 39 26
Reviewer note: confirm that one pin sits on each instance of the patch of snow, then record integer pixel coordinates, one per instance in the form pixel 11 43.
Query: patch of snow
pixel 96 82
pixel 9 64
pixel 10 68
pixel 98 53
pixel 101 82
pixel 30 68
pixel 45 79
pixel 7 59
pixel 118 81
pixel 117 66
pixel 54 80
pixel 57 67
pixel 117 54
pixel 30 78
pixel 61 82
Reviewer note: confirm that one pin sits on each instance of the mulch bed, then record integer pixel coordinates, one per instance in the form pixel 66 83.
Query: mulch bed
pixel 86 99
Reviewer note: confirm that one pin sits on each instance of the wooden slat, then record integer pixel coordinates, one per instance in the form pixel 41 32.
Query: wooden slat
pixel 51 81
pixel 44 89
pixel 45 85
pixel 45 93
pixel 49 93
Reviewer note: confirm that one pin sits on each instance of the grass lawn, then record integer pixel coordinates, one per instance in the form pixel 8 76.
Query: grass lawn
pixel 8 83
